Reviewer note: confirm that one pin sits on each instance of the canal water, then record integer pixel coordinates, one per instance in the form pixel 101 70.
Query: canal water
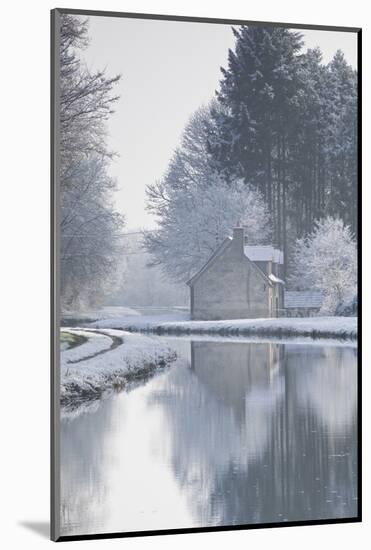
pixel 235 432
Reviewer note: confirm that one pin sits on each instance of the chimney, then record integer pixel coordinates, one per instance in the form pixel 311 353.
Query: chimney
pixel 238 237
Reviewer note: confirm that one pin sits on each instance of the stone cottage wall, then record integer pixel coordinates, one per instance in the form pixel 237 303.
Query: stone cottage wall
pixel 231 288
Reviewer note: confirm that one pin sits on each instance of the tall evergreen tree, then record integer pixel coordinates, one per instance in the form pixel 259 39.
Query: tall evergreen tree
pixel 286 124
pixel 307 155
pixel 342 141
pixel 259 93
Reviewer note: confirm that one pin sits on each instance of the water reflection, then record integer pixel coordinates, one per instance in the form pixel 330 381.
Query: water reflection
pixel 235 433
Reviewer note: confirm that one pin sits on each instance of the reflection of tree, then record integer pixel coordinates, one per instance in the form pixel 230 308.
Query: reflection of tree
pixel 83 454
pixel 220 416
pixel 259 435
pixel 329 387
pixel 251 433
pixel 321 431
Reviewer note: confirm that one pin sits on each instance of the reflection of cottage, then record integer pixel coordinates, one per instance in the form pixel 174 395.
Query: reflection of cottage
pixel 302 303
pixel 234 372
pixel 238 281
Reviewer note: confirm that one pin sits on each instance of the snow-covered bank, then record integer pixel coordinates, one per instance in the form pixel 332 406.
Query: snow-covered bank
pixel 140 322
pixel 107 361
pixel 314 327
pixel 79 318
pixel 96 342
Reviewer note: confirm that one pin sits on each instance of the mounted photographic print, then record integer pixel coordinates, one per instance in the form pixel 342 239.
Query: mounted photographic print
pixel 205 274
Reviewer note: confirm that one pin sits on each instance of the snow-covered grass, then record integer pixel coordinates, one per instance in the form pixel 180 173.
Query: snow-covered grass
pixel 106 312
pixel 69 340
pixel 93 342
pixel 142 322
pixel 102 313
pixel 108 361
pixel 314 327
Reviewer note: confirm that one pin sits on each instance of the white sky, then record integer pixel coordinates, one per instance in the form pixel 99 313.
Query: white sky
pixel 169 69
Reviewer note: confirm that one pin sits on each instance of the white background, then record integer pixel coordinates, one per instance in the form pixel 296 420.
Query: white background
pixel 24 219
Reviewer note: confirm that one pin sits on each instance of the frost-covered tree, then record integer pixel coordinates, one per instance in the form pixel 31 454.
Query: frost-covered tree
pixel 194 222
pixel 287 125
pixel 86 100
pixel 197 208
pixel 326 260
pixel 90 231
pixel 142 285
pixel 89 224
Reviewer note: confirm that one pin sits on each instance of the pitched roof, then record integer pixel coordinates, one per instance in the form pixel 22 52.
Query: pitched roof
pixel 263 253
pixel 217 252
pixel 303 298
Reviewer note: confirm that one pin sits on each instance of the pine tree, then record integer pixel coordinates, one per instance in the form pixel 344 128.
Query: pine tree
pixel 259 94
pixel 286 124
pixel 342 141
pixel 308 158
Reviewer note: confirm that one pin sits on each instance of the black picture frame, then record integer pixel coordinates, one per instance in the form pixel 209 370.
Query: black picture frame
pixel 54 280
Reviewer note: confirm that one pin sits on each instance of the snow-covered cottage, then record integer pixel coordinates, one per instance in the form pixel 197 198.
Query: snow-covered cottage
pixel 238 281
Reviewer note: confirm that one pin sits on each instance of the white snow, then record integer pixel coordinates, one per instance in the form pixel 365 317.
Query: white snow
pixel 263 253
pixel 96 342
pixel 275 279
pixel 103 313
pixel 143 322
pixel 330 327
pixel 111 311
pixel 90 377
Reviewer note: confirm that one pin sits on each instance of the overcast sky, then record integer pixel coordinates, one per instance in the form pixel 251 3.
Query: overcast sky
pixel 169 69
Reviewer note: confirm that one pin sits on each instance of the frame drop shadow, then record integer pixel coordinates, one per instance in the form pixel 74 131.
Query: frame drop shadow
pixel 42 528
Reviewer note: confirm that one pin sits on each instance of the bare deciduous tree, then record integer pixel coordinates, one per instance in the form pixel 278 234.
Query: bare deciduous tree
pixel 89 224
pixel 196 208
